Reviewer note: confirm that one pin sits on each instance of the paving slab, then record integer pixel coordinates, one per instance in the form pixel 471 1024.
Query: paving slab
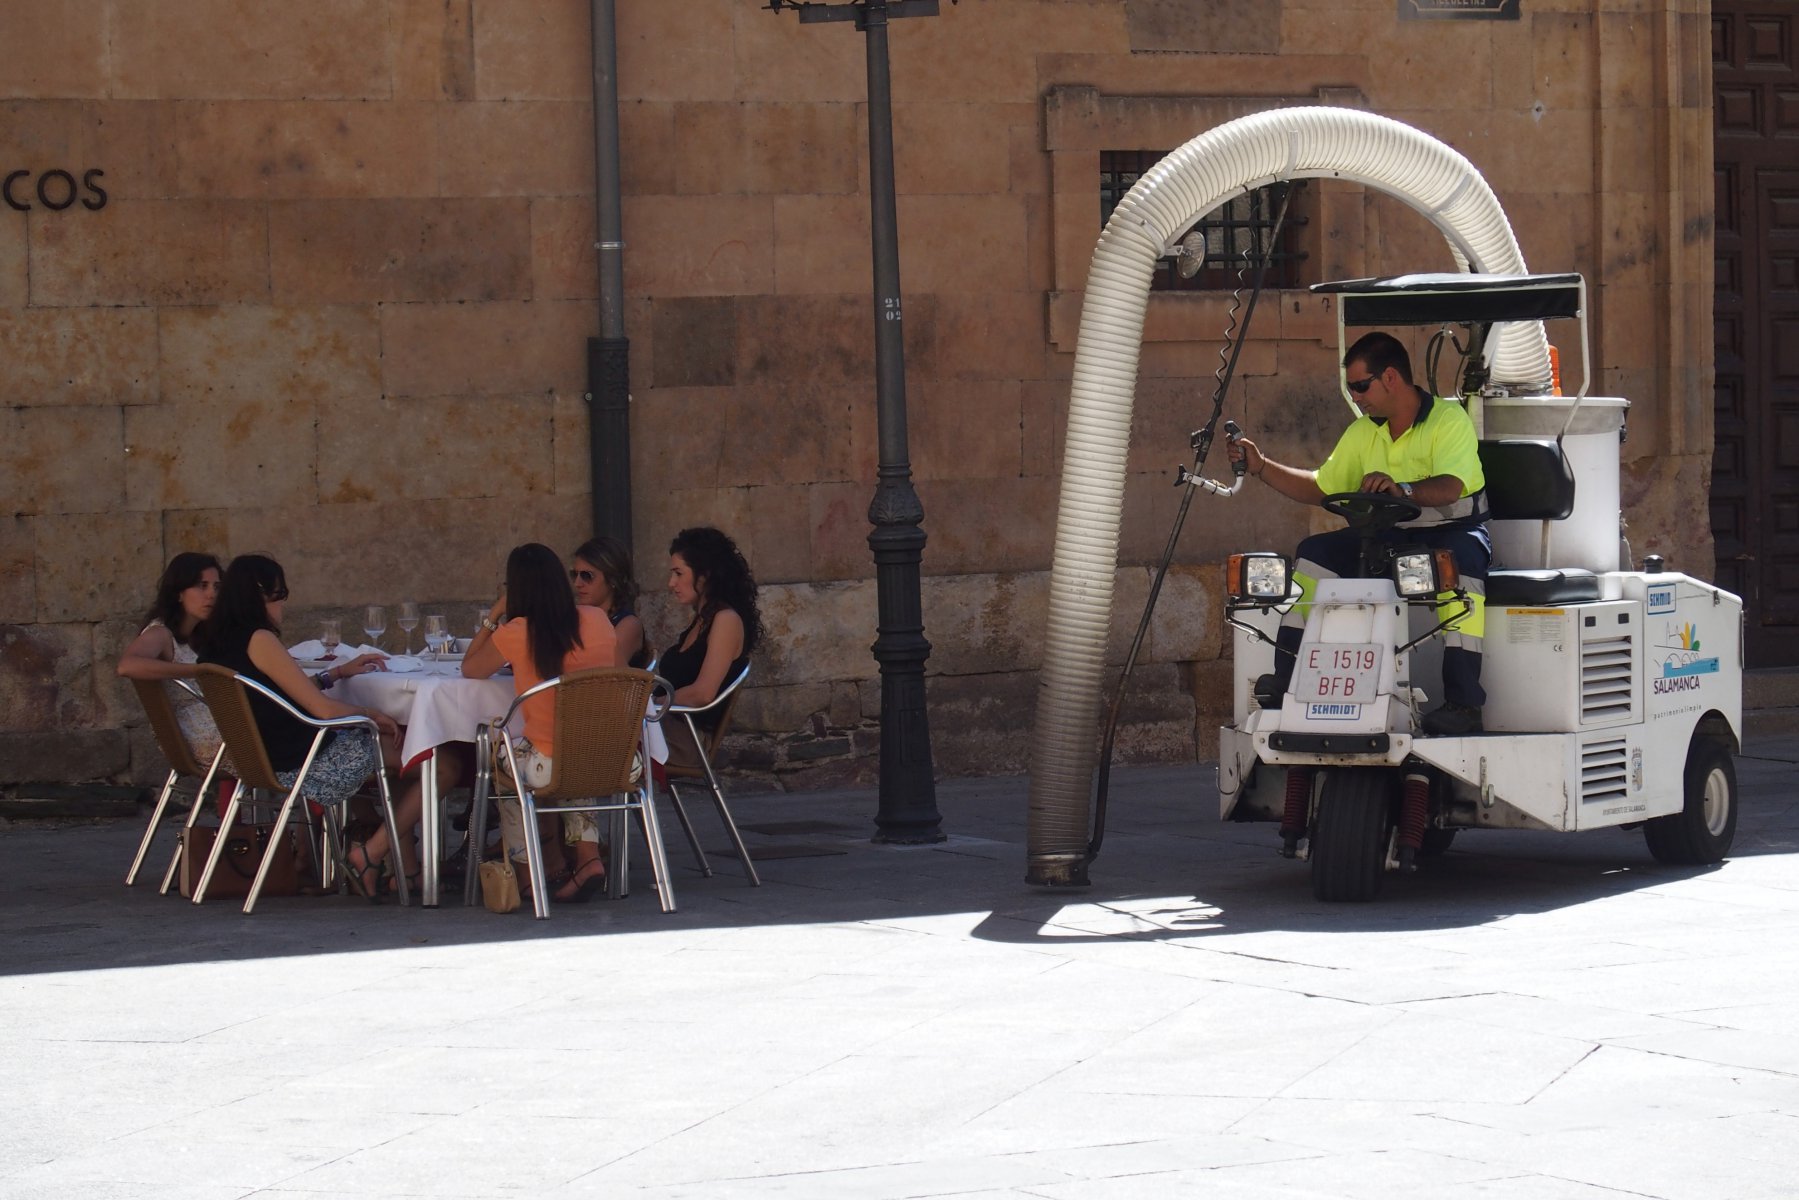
pixel 1533 1015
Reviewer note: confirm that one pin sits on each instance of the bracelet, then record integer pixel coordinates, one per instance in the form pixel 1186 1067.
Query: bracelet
pixel 323 679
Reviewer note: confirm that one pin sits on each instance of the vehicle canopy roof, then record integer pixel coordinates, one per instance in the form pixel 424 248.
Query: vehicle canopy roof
pixel 1430 299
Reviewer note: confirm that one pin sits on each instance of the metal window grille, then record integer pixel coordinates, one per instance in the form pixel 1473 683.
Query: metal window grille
pixel 1234 232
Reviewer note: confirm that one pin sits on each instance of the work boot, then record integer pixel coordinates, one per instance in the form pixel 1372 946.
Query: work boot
pixel 1269 691
pixel 1452 720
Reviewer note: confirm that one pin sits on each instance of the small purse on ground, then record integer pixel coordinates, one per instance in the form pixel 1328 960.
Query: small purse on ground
pixel 244 848
pixel 499 886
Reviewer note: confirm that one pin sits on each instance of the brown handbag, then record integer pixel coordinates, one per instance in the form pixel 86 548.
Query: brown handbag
pixel 244 848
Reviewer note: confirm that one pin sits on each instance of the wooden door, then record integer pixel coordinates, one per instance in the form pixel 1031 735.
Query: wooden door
pixel 1755 464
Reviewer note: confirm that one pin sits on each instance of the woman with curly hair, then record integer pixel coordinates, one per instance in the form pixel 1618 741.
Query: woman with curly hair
pixel 603 578
pixel 708 574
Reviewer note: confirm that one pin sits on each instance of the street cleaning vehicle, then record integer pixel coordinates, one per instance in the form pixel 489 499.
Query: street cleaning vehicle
pixel 1614 690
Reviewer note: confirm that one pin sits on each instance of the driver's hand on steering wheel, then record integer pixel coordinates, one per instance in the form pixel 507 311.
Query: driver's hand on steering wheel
pixel 1376 481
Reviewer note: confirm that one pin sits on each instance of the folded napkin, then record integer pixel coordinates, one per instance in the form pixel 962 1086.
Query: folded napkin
pixel 314 650
pixel 403 663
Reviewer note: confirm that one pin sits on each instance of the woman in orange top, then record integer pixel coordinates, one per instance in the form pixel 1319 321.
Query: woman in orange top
pixel 537 628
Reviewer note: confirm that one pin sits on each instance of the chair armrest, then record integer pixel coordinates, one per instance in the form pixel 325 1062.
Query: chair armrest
pixel 723 694
pixel 299 714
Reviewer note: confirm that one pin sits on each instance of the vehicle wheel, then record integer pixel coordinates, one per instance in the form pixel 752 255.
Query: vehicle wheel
pixel 1436 841
pixel 1349 837
pixel 1701 832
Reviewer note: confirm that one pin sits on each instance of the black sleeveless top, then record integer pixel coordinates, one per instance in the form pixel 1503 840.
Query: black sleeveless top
pixel 681 667
pixel 643 652
pixel 286 739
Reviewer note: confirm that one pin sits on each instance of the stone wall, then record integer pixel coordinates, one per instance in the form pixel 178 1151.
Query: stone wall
pixel 336 301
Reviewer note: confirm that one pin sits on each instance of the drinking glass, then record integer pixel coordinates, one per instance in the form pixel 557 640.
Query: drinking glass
pixel 331 636
pixel 374 623
pixel 409 621
pixel 435 634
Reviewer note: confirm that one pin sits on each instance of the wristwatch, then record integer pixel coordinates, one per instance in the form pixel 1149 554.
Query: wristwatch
pixel 1405 489
pixel 487 623
pixel 323 679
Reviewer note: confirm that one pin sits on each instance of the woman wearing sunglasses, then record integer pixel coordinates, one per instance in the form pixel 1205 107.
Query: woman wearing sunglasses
pixel 602 578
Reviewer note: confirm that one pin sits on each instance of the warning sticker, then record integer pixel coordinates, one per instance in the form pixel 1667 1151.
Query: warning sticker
pixel 1533 625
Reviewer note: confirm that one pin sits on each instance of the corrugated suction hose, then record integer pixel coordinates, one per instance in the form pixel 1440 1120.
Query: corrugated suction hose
pixel 1293 143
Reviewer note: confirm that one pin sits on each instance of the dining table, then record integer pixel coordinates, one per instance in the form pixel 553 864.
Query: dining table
pixel 435 706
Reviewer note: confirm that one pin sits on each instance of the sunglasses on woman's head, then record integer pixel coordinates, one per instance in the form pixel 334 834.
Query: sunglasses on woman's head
pixel 581 576
pixel 1360 386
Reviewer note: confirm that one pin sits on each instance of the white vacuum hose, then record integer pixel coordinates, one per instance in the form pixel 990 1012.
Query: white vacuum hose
pixel 1190 182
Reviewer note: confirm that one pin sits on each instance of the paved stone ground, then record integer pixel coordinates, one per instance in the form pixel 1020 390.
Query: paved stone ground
pixel 1536 1015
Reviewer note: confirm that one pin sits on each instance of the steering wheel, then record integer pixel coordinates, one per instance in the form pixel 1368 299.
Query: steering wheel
pixel 1370 510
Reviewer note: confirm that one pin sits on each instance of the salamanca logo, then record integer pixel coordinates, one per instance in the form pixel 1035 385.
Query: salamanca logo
pixel 1683 665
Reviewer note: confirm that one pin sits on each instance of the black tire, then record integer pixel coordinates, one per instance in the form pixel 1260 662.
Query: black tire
pixel 1702 831
pixel 1350 835
pixel 1436 841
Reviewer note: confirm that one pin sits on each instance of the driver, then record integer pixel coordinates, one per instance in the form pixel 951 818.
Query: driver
pixel 1414 446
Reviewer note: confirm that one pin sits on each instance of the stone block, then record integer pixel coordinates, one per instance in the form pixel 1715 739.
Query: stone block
pixel 163 252
pixel 646 129
pixel 63 356
pixel 237 450
pixel 749 148
pixel 954 148
pixel 61 460
pixel 294 150
pixel 964 429
pixel 429 449
pixel 658 514
pixel 825 338
pixel 434 50
pixel 361 251
pixel 1227 27
pixel 683 51
pixel 1189 619
pixel 1628 62
pixel 245 353
pixel 15 285
pixel 846 704
pixel 515 148
pixel 48 680
pixel 780 709
pixel 699 336
pixel 1157 721
pixel 701 245
pixel 1076 224
pixel 840 529
pixel 148 767
pixel 798 432
pixel 564 263
pixel 1028 170
pixel 573 458
pixel 988 524
pixel 492 349
pixel 207 530
pixel 952 57
pixel 772 538
pixel 981 724
pixel 980 335
pixel 18 570
pixel 1657 495
pixel 388 552
pixel 91 566
pixel 816 632
pixel 1564 53
pixel 68 755
pixel 250 49
pixel 779 59
pixel 949 243
pixel 821 246
pixel 54 49
pixel 115 699
pixel 1043 421
pixel 1210 685
pixel 677 438
pixel 533 50
pixel 980 624
pixel 131 143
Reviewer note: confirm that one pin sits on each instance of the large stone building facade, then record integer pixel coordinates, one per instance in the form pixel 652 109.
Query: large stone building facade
pixel 317 279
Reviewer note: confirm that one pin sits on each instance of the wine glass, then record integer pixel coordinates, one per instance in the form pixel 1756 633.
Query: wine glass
pixel 374 623
pixel 409 621
pixel 331 636
pixel 435 634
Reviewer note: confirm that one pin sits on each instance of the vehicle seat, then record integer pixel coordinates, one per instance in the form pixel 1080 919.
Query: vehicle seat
pixel 1527 480
pixel 1570 586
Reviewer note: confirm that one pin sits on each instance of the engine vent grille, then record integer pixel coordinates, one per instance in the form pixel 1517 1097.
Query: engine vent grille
pixel 1604 770
pixel 1608 685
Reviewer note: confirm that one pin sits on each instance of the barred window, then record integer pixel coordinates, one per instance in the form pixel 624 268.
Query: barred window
pixel 1234 232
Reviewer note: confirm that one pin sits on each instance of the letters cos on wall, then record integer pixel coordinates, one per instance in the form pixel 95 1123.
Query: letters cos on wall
pixel 55 189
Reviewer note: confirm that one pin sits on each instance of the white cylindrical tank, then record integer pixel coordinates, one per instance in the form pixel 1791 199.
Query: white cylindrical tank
pixel 1589 536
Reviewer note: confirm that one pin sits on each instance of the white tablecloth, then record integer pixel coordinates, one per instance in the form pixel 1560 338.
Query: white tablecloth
pixel 437 705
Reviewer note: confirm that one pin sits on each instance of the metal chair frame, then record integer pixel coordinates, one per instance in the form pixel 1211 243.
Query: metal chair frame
pixel 636 795
pixel 174 747
pixel 226 694
pixel 708 750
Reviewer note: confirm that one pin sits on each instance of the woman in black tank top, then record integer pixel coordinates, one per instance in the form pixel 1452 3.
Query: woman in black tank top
pixel 708 574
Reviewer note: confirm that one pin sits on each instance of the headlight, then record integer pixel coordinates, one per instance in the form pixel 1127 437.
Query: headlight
pixel 1259 578
pixel 1425 572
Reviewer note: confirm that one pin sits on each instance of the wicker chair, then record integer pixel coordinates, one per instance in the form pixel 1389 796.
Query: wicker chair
pixel 228 697
pixel 707 744
pixel 600 717
pixel 169 739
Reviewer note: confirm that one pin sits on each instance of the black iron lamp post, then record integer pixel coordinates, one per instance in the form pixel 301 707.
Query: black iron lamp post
pixel 908 806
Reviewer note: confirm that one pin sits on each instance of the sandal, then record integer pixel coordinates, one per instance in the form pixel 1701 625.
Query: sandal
pixel 359 875
pixel 585 887
pixel 414 882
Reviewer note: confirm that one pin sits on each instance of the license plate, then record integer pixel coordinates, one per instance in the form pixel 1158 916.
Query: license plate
pixel 1337 673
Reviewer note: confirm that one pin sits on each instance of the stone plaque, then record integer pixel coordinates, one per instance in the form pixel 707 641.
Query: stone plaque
pixel 1459 10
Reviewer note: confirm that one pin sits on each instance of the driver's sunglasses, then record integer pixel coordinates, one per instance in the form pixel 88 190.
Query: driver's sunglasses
pixel 581 576
pixel 1361 386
